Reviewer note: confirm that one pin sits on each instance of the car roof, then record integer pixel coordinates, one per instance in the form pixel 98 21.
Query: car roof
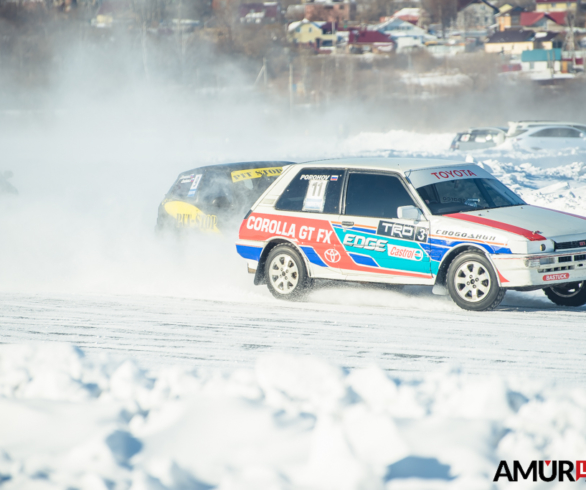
pixel 229 167
pixel 400 164
pixel 553 126
pixel 525 124
pixel 487 128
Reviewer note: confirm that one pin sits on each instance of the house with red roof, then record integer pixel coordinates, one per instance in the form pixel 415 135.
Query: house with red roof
pixel 364 41
pixel 552 21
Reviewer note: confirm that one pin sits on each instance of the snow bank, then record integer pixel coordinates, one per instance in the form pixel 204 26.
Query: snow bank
pixel 289 423
pixel 409 142
pixel 562 187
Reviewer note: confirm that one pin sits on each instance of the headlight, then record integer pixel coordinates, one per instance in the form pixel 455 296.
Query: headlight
pixel 539 261
pixel 532 262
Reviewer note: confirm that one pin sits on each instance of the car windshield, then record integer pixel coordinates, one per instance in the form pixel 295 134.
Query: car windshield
pixel 235 190
pixel 460 196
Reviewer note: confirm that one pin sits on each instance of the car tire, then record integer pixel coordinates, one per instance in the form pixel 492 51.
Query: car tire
pixel 286 274
pixel 473 283
pixel 570 294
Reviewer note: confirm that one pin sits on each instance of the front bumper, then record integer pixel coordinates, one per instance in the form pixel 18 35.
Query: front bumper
pixel 524 271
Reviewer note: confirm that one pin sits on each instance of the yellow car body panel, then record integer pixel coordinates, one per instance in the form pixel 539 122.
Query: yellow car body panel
pixel 189 216
pixel 255 173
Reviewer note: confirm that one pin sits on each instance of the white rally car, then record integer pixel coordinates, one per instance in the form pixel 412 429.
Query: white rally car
pixel 411 221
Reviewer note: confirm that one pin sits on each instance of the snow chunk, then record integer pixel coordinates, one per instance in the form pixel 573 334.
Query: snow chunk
pixel 292 422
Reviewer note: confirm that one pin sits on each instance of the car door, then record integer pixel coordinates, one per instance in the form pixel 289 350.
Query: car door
pixel 377 244
pixel 572 138
pixel 544 139
pixel 309 205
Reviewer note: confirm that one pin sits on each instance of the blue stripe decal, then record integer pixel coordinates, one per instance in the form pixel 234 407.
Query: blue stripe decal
pixel 336 226
pixel 363 260
pixel 502 250
pixel 252 253
pixel 437 253
pixel 313 257
pixel 450 244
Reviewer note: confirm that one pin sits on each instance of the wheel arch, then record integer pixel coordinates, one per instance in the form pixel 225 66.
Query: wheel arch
pixel 259 276
pixel 442 273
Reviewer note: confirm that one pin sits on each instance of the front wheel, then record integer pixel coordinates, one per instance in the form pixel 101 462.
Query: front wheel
pixel 285 273
pixel 570 294
pixel 473 284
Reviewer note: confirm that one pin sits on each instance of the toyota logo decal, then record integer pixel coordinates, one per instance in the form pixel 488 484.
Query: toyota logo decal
pixel 332 256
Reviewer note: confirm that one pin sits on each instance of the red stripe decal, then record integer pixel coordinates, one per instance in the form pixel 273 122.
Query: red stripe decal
pixel 502 278
pixel 533 237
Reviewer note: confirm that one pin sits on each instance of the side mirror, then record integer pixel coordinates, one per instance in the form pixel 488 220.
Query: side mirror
pixel 409 212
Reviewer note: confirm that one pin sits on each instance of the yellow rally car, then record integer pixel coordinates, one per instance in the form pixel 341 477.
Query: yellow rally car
pixel 214 198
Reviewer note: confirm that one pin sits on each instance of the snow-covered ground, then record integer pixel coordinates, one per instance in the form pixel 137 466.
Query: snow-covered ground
pixel 287 422
pixel 190 377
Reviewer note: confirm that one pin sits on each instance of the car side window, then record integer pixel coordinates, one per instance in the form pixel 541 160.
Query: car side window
pixel 544 133
pixel 313 190
pixel 557 133
pixel 375 195
pixel 570 133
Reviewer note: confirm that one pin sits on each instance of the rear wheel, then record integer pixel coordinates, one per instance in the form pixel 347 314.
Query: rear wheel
pixel 570 294
pixel 473 284
pixel 286 274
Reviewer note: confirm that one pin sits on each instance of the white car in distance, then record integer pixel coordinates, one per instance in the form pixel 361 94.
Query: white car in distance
pixel 519 127
pixel 549 138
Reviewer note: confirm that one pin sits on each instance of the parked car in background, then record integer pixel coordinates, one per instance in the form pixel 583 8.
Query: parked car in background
pixel 549 138
pixel 440 223
pixel 517 128
pixel 479 138
pixel 490 137
pixel 214 198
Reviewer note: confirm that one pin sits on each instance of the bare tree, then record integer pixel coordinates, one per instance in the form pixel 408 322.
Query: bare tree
pixel 373 10
pixel 443 12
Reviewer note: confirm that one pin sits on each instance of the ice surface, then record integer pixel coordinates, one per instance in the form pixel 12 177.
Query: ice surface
pixel 291 422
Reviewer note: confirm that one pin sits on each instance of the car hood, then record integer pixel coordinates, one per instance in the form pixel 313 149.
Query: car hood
pixel 531 222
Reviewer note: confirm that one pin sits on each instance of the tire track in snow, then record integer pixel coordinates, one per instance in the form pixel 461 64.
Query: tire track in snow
pixel 411 334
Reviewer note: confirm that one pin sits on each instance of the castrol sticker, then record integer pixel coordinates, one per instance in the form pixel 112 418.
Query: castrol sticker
pixel 404 252
pixel 556 277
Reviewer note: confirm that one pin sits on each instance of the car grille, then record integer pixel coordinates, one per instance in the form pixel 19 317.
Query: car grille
pixel 565 259
pixel 557 269
pixel 568 245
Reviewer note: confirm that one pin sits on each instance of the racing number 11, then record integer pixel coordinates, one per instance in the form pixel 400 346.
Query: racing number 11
pixel 315 197
pixel 317 186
